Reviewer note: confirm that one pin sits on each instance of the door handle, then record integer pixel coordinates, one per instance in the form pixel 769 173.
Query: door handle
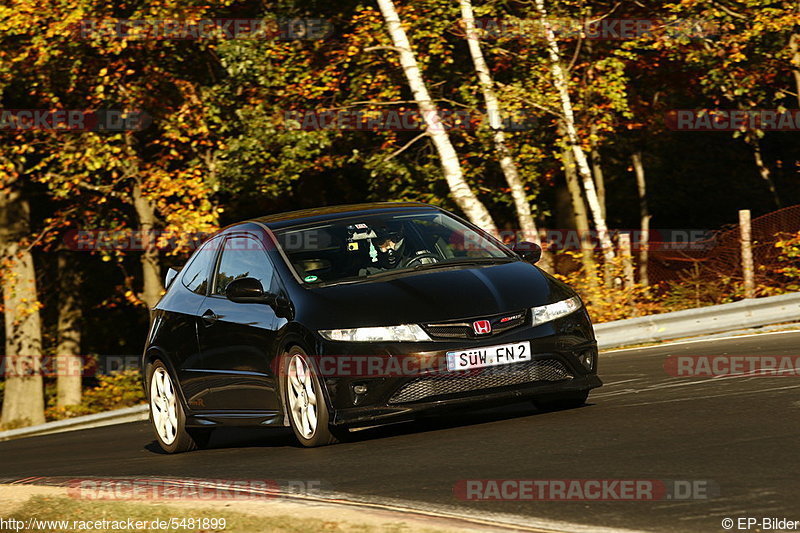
pixel 209 317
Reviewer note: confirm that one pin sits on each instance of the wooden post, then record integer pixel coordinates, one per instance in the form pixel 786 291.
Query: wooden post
pixel 627 260
pixel 747 254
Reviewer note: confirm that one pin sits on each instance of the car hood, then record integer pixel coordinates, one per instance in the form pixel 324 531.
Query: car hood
pixel 438 295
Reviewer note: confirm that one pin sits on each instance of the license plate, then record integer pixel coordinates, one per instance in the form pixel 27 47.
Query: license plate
pixel 502 354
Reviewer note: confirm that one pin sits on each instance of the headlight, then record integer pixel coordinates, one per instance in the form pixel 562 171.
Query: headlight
pixel 406 332
pixel 547 313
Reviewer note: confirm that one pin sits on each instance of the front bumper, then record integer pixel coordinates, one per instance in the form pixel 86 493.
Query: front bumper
pixel 555 369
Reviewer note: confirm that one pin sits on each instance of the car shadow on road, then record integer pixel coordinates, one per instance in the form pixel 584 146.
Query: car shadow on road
pixel 242 437
pixel 460 418
pixel 256 437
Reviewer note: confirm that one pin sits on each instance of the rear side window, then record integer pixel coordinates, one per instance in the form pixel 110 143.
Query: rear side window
pixel 243 257
pixel 195 274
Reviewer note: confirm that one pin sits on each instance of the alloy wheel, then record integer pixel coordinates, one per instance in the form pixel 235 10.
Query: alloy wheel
pixel 163 406
pixel 302 397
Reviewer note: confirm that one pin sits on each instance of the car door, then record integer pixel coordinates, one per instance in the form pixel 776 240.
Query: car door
pixel 177 317
pixel 237 339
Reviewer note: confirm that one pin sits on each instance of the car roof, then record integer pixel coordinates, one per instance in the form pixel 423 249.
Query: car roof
pixel 319 214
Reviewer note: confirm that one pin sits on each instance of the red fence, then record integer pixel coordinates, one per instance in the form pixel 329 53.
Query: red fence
pixel 720 255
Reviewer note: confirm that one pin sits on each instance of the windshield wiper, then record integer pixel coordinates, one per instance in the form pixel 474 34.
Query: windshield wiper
pixel 444 264
pixel 475 260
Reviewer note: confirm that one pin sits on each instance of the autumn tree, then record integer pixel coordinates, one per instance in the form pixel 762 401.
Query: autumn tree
pixel 493 111
pixel 23 402
pixel 434 126
pixel 561 83
pixel 144 174
pixel 745 58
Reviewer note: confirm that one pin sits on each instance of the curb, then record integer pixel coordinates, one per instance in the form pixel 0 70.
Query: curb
pixel 417 513
pixel 108 418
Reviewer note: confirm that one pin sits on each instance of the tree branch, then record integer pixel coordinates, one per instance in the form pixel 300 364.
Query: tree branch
pixel 405 146
pixel 533 104
pixel 728 10
pixel 384 47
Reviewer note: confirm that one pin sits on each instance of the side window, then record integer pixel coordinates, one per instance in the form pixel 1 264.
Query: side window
pixel 195 274
pixel 243 257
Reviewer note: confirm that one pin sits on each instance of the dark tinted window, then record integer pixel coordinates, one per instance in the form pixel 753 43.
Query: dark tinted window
pixel 358 247
pixel 195 274
pixel 243 257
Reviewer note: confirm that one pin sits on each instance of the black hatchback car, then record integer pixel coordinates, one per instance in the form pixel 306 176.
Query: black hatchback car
pixel 343 317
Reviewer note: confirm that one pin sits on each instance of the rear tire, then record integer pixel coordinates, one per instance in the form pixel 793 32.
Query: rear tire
pixel 167 417
pixel 304 400
pixel 563 402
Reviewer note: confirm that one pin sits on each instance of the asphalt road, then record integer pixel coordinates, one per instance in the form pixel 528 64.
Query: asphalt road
pixel 739 435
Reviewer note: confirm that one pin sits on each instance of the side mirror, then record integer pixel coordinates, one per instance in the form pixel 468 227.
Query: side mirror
pixel 528 251
pixel 246 291
pixel 250 291
pixel 171 275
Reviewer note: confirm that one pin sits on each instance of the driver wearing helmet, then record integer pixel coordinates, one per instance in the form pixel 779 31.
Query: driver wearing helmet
pixel 389 246
pixel 388 250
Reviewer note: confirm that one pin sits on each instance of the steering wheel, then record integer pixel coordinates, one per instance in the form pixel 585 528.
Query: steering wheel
pixel 418 259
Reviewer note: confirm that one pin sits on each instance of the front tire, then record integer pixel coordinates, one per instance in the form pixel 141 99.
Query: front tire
pixel 167 417
pixel 304 400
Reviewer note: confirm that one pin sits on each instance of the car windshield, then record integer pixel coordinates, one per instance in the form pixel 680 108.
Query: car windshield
pixel 367 247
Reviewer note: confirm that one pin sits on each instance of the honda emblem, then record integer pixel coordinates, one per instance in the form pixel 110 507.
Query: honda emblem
pixel 482 327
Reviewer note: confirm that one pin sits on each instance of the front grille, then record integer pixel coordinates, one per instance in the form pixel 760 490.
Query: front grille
pixel 480 379
pixel 450 331
pixel 462 329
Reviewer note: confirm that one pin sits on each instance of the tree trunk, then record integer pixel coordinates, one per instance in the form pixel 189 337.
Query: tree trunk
pixel 451 167
pixel 794 44
pixel 594 155
pixel 507 163
pixel 23 402
pixel 764 172
pixel 627 260
pixel 581 217
pixel 560 81
pixel 151 273
pixel 644 214
pixel 599 178
pixel 69 364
